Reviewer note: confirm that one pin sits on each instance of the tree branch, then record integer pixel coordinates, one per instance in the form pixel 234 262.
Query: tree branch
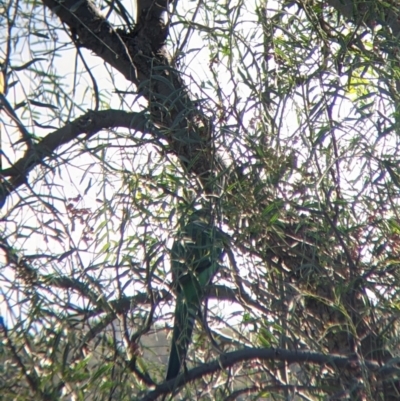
pixel 90 123
pixel 140 55
pixel 270 354
pixel 95 33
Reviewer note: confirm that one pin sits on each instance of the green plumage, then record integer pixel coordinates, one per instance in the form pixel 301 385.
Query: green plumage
pixel 195 257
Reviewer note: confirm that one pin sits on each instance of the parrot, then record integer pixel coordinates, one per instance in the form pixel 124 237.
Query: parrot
pixel 195 256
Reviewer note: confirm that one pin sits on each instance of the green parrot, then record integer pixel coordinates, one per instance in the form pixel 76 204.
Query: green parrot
pixel 195 258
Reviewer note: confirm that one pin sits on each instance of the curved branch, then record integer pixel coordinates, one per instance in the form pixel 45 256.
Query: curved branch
pixel 270 354
pixel 90 123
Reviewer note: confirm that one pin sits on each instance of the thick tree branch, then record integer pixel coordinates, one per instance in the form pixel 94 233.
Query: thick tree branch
pixel 94 33
pixel 270 354
pixel 186 127
pixel 90 123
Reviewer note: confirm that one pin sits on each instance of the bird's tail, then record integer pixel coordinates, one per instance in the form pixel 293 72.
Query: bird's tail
pixel 185 315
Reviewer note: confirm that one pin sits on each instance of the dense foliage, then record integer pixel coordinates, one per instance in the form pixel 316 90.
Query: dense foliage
pixel 278 120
